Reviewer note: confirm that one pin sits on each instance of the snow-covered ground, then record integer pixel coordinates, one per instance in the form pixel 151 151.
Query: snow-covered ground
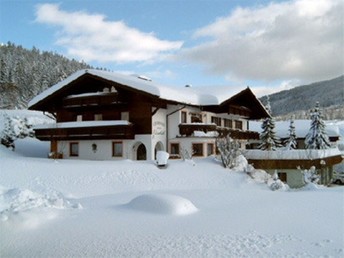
pixel 69 208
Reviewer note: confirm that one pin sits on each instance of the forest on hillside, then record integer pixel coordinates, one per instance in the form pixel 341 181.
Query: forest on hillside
pixel 299 100
pixel 25 73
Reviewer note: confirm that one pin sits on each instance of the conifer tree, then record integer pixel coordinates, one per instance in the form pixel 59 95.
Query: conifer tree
pixel 317 137
pixel 268 138
pixel 291 141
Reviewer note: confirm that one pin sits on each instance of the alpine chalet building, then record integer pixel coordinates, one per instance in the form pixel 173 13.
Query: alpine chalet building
pixel 104 115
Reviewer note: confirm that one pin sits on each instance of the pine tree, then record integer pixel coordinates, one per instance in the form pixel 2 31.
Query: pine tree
pixel 268 138
pixel 291 141
pixel 317 137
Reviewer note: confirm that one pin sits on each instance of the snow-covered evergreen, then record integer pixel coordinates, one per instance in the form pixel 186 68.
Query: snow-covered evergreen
pixel 25 73
pixel 291 143
pixel 317 137
pixel 268 137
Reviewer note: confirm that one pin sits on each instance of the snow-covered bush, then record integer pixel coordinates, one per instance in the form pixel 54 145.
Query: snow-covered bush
pixel 15 128
pixel 229 151
pixel 277 184
pixel 185 154
pixel 258 175
pixel 310 176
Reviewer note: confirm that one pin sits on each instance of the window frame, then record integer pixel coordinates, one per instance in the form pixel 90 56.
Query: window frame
pixel 228 123
pixel 72 150
pixel 238 124
pixel 195 153
pixel 113 149
pixel 212 148
pixel 98 117
pixel 216 120
pixel 184 117
pixel 178 148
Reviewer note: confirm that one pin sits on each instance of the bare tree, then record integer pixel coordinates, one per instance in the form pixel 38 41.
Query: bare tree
pixel 229 150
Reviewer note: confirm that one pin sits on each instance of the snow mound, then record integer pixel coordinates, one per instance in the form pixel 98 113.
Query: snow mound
pixel 16 201
pixel 162 204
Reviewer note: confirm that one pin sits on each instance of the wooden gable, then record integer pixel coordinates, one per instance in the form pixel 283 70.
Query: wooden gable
pixel 244 104
pixel 88 83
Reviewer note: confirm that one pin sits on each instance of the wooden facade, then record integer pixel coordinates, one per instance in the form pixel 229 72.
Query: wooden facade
pixel 86 133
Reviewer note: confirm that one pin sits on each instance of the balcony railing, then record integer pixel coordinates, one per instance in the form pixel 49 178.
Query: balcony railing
pixel 189 129
pixel 95 99
pixel 85 131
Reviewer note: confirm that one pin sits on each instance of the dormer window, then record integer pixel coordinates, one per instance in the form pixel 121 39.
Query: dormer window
pixel 98 117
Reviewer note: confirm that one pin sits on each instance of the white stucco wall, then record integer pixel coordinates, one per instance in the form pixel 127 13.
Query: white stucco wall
pixel 103 152
pixel 186 143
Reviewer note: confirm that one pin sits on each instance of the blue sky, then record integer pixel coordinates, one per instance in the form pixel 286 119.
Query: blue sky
pixel 269 46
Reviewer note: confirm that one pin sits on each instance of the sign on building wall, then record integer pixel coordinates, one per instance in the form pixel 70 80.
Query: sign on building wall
pixel 159 128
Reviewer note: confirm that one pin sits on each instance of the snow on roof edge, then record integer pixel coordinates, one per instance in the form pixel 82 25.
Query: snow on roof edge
pixel 56 87
pixel 191 97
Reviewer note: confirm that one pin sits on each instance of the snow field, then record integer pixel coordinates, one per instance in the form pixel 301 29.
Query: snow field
pixel 132 209
pixel 70 208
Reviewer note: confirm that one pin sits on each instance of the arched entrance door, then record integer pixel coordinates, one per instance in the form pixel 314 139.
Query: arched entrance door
pixel 141 153
pixel 158 147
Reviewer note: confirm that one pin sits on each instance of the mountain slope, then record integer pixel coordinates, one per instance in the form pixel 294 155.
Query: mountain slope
pixel 329 93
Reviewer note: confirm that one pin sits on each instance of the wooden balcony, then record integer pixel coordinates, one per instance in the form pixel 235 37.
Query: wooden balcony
pixel 77 131
pixel 189 129
pixel 238 134
pixel 96 99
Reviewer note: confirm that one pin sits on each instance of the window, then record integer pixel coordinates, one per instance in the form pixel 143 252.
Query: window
pixel 98 117
pixel 228 123
pixel 197 149
pixel 184 117
pixel 238 124
pixel 117 149
pixel 216 120
pixel 125 116
pixel 210 149
pixel 196 118
pixel 175 148
pixel 74 149
pixel 282 176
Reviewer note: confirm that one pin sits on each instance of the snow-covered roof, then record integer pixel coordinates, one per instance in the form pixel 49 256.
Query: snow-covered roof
pixel 300 154
pixel 301 128
pixel 187 95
